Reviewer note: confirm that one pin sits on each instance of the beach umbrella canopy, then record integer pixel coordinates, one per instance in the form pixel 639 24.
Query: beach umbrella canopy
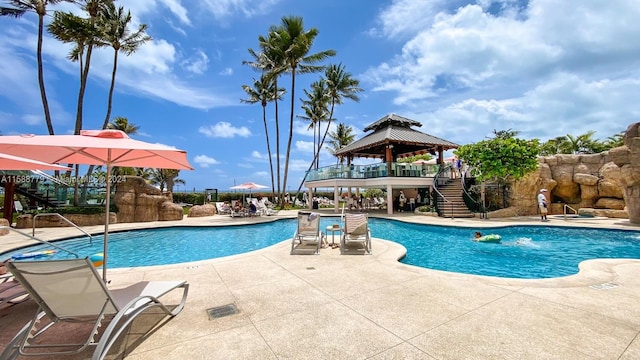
pixel 248 186
pixel 12 162
pixel 96 147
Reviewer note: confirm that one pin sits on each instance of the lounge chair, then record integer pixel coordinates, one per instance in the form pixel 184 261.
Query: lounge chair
pixel 72 291
pixel 356 231
pixel 265 209
pixel 221 209
pixel 11 292
pixel 307 238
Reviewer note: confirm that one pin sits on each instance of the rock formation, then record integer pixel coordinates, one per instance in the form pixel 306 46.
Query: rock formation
pixel 595 184
pixel 202 210
pixel 138 201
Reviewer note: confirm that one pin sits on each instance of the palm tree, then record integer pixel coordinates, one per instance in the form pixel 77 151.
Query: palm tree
pixel 168 177
pixel 340 85
pixel 295 43
pixel 270 61
pixel 19 7
pixel 116 35
pixel 123 124
pixel 340 138
pixel 316 110
pixel 264 91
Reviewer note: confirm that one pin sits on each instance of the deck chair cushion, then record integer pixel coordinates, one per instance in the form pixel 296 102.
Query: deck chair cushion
pixel 360 229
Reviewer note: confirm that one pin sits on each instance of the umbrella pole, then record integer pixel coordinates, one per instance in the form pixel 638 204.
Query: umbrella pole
pixel 106 219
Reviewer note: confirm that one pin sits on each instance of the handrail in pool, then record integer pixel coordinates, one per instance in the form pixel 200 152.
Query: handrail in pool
pixel 62 218
pixel 40 240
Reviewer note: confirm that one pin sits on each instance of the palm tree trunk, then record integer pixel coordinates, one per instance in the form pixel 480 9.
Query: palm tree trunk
pixel 83 86
pixel 113 83
pixel 286 160
pixel 280 197
pixel 43 93
pixel 266 133
pixel 316 156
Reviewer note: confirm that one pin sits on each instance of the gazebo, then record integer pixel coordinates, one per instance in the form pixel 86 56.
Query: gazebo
pixel 390 138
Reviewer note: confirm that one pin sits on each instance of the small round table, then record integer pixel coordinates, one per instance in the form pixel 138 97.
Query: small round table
pixel 333 229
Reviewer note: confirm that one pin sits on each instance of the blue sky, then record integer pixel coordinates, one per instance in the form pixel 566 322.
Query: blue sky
pixel 545 68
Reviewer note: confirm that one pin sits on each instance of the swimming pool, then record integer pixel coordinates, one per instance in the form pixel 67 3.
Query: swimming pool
pixel 525 251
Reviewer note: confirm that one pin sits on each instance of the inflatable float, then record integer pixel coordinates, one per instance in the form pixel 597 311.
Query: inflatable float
pixel 32 255
pixel 492 238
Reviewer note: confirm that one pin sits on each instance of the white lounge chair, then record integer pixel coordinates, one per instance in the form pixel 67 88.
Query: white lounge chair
pixel 356 231
pixel 308 238
pixel 72 291
pixel 221 210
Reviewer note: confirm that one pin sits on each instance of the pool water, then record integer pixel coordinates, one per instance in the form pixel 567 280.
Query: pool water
pixel 525 251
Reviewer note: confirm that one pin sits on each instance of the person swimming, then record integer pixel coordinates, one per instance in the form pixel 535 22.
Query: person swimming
pixel 477 236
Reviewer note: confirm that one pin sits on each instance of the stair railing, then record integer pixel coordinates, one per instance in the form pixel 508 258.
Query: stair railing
pixel 467 196
pixel 40 240
pixel 61 218
pixel 436 179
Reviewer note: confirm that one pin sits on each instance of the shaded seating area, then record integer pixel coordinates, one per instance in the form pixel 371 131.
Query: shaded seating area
pixel 75 304
pixel 356 237
pixel 308 238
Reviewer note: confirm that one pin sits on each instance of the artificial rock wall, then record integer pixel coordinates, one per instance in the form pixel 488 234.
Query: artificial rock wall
pixel 602 184
pixel 138 201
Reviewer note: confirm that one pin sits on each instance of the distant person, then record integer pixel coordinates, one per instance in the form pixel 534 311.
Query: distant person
pixel 402 200
pixel 253 210
pixel 477 236
pixel 208 198
pixel 542 205
pixel 418 199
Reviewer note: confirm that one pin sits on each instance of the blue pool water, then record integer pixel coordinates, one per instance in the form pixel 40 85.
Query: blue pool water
pixel 525 251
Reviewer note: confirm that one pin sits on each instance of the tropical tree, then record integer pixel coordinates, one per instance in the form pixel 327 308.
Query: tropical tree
pixel 554 146
pixel 115 33
pixel 341 137
pixel 340 85
pixel 614 141
pixel 501 158
pixel 316 110
pixel 264 91
pixel 270 61
pixel 295 44
pixel 83 32
pixel 165 177
pixel 19 8
pixel 123 124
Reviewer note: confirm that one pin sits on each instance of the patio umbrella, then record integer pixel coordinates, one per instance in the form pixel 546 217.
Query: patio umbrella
pixel 248 186
pixel 11 162
pixel 96 147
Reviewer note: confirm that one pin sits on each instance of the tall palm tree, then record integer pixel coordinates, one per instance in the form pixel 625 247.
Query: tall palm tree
pixel 116 34
pixel 168 177
pixel 295 43
pixel 316 110
pixel 19 7
pixel 270 61
pixel 340 85
pixel 264 91
pixel 122 123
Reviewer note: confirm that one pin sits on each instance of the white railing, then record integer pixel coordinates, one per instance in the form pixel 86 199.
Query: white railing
pixel 62 218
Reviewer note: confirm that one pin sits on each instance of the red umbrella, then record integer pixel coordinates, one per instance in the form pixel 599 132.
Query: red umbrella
pixel 96 147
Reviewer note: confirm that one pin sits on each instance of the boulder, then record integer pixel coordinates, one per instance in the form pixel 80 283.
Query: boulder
pixel 588 192
pixel 609 203
pixel 566 190
pixel 45 221
pixel 511 211
pixel 170 211
pixel 202 210
pixel 4 222
pixel 585 179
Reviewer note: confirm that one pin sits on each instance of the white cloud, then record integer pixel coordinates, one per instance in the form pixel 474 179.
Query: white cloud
pixel 197 64
pixel 516 68
pixel 205 161
pixel 226 72
pixel 222 10
pixel 224 130
pixel 259 156
pixel 304 146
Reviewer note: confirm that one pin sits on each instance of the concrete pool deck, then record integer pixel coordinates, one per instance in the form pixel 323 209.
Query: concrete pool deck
pixel 336 306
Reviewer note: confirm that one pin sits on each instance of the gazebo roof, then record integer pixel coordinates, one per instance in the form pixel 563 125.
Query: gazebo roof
pixel 395 130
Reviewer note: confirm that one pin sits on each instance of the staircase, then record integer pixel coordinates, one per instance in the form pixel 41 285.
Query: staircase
pixel 455 207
